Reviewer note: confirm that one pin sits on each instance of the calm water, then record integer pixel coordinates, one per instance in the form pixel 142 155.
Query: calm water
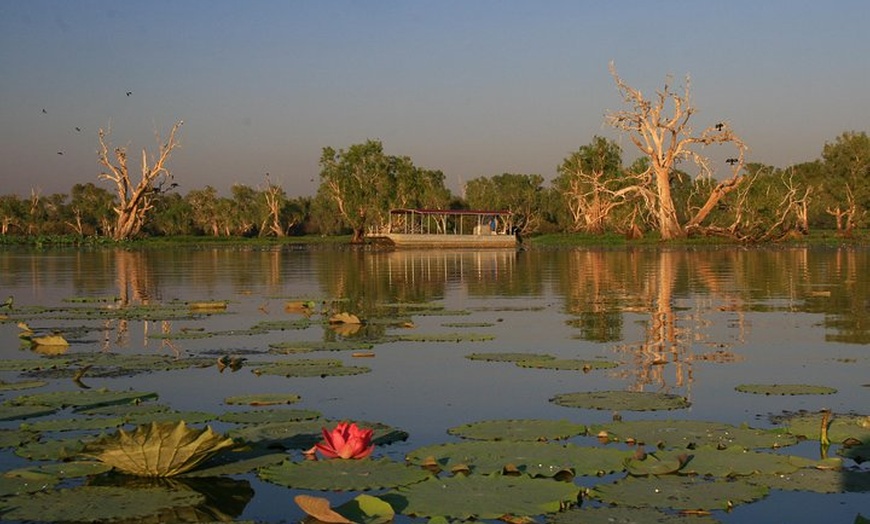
pixel 696 322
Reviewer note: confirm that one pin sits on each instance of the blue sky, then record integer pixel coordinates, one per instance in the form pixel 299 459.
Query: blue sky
pixel 472 88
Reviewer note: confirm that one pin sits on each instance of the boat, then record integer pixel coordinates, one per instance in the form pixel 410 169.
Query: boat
pixel 446 229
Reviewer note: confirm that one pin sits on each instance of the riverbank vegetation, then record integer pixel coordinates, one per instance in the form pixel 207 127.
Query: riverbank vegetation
pixel 673 191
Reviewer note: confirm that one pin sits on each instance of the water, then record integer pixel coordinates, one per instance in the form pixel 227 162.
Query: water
pixel 694 322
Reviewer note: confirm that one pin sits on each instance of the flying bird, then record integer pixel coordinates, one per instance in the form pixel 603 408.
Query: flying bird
pixel 78 128
pixel 44 112
pixel 719 126
pixel 732 161
pixel 129 93
pixel 60 152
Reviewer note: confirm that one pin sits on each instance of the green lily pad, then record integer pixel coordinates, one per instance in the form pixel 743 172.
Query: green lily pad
pixel 621 400
pixel 785 389
pixel 840 427
pixel 682 434
pixel 733 462
pixel 8 412
pixel 268 415
pixel 263 399
pixel 483 497
pixel 23 384
pixel 229 464
pixel 75 424
pixel 191 417
pixel 128 411
pixel 299 346
pixel 32 364
pixel 467 324
pixel 444 337
pixel 81 399
pixel 625 515
pixel 11 438
pixel 309 368
pixel 527 429
pixel 58 471
pixel 96 503
pixel 343 475
pixel 508 357
pixel 656 463
pixel 532 458
pixel 678 492
pixel 54 449
pixel 567 364
pixel 23 486
pixel 817 481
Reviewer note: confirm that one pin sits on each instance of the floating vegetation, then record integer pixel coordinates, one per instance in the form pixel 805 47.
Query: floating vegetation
pixel 309 368
pixel 304 346
pixel 840 427
pixel 621 400
pixel 343 475
pixel 567 364
pixel 97 503
pixel 265 416
pixel 59 471
pixel 344 318
pixel 539 459
pixel 467 324
pixel 679 492
pixel 735 462
pixel 509 357
pixel 304 434
pixel 264 399
pixel 785 389
pixel 118 365
pixel 92 300
pixel 281 325
pixel 484 497
pixel 446 337
pixel 519 430
pixel 158 449
pixel 11 412
pixel 817 480
pixel 621 514
pixel 208 305
pixel 24 384
pixel 33 364
pixel 689 434
pixel 363 508
pixel 80 400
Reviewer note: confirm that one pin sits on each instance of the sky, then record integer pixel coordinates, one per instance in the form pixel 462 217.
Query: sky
pixel 473 88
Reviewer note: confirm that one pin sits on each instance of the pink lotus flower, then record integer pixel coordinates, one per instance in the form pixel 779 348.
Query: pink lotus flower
pixel 346 441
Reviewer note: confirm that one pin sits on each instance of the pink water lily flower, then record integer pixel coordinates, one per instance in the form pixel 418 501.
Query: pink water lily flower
pixel 346 441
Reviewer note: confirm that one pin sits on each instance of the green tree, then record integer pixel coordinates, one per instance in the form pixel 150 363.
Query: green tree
pixel 91 209
pixel 361 184
pixel 846 168
pixel 13 213
pixel 522 195
pixel 591 184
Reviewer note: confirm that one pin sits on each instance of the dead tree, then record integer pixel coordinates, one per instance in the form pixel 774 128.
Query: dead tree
pixel 660 129
pixel 135 201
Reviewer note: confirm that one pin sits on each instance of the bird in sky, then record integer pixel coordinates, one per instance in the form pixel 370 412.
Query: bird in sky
pixel 78 128
pixel 44 112
pixel 719 126
pixel 129 93
pixel 731 161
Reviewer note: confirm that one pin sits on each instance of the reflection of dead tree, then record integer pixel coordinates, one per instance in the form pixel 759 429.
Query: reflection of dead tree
pixel 134 201
pixel 134 281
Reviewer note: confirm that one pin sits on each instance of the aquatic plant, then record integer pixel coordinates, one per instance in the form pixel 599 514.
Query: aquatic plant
pixel 346 441
pixel 158 449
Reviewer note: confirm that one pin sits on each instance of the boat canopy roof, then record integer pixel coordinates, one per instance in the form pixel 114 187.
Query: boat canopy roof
pixel 441 212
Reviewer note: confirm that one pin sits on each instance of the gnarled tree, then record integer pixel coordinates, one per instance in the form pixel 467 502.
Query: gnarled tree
pixel 135 198
pixel 660 128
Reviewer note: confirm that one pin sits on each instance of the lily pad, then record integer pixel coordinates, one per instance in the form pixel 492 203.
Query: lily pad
pixel 840 427
pixel 527 429
pixel 309 368
pixel 343 475
pixel 362 509
pixel 483 497
pixel 621 400
pixel 268 415
pixel 299 346
pixel 75 424
pixel 8 412
pixel 304 434
pixel 235 463
pixel 58 471
pixel 32 364
pixel 683 434
pixel 53 449
pixel 23 384
pixel 445 337
pixel 625 515
pixel 96 503
pixel 678 492
pixel 509 357
pixel 531 458
pixel 81 399
pixel 733 462
pixel 817 481
pixel 785 389
pixel 264 399
pixel 23 486
pixel 567 364
pixel 158 450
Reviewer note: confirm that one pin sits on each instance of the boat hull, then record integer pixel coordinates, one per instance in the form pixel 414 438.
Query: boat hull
pixel 445 241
